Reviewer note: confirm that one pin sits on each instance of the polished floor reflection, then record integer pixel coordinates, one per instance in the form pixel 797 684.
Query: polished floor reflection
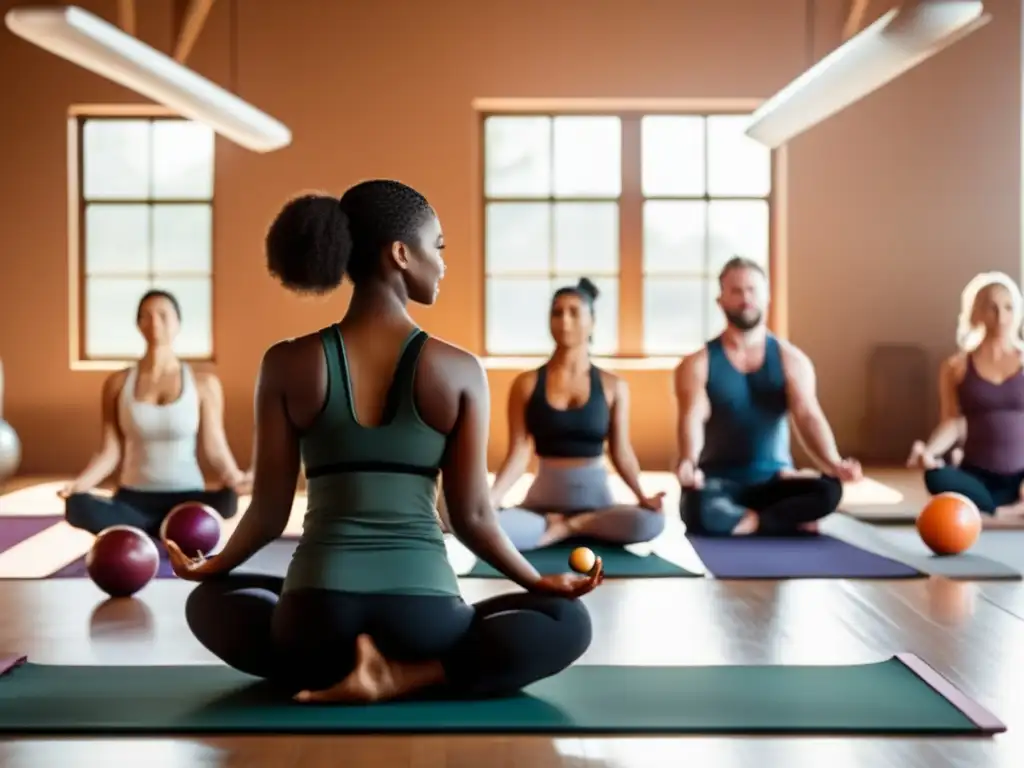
pixel 974 635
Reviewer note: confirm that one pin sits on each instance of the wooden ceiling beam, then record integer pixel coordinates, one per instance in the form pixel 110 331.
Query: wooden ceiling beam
pixel 190 17
pixel 854 18
pixel 126 16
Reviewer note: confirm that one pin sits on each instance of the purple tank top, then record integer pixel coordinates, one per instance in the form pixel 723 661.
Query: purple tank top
pixel 995 422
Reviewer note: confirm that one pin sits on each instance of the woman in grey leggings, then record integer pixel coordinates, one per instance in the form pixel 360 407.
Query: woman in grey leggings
pixel 570 409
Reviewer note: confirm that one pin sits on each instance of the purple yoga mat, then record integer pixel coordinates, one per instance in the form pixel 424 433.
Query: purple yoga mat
pixel 76 570
pixel 273 559
pixel 14 530
pixel 794 557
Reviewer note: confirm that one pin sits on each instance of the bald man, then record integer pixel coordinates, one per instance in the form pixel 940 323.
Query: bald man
pixel 735 397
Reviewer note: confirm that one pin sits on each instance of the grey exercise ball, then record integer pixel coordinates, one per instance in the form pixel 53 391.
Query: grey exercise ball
pixel 10 451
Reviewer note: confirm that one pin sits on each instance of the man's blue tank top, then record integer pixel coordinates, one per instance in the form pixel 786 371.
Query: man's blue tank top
pixel 746 437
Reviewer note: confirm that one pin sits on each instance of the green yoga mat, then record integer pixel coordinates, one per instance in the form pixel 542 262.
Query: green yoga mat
pixel 619 563
pixel 901 695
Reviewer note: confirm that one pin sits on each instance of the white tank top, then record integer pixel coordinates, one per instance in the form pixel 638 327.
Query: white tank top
pixel 160 440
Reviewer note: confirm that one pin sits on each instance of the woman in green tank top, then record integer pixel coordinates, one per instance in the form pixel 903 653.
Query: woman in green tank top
pixel 374 409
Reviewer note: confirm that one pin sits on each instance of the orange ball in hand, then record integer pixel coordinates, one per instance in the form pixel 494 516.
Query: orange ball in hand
pixel 949 524
pixel 582 560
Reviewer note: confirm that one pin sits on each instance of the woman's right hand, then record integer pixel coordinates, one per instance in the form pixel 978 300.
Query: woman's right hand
pixel 69 489
pixel 920 458
pixel 191 569
pixel 570 585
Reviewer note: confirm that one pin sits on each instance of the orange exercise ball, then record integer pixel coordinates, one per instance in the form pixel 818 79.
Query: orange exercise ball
pixel 949 524
pixel 582 560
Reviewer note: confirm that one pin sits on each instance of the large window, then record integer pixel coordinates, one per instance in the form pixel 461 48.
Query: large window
pixel 145 221
pixel 648 206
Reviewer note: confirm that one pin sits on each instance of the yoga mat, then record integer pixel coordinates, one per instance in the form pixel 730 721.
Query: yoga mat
pixel 883 514
pixel 809 556
pixel 993 558
pixel 272 560
pixel 907 515
pixel 618 563
pixel 14 530
pixel 996 556
pixel 900 695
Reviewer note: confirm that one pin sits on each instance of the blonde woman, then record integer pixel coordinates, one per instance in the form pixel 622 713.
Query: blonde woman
pixel 981 393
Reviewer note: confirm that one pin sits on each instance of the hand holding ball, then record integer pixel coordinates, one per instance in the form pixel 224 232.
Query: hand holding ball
pixel 194 527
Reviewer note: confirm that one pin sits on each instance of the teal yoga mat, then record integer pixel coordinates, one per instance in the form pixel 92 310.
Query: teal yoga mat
pixel 619 563
pixel 899 695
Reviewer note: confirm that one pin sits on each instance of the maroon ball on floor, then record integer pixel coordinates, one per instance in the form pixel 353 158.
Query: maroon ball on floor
pixel 194 527
pixel 122 560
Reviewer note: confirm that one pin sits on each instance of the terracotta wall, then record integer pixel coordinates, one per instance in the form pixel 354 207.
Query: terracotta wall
pixel 893 205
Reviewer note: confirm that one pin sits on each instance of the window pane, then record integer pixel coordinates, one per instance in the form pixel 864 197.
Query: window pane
pixel 182 238
pixel 672 150
pixel 518 238
pixel 714 320
pixel 738 228
pixel 182 160
pixel 606 310
pixel 674 236
pixel 673 315
pixel 110 307
pixel 737 165
pixel 517 154
pixel 588 156
pixel 195 296
pixel 115 159
pixel 518 311
pixel 586 238
pixel 117 239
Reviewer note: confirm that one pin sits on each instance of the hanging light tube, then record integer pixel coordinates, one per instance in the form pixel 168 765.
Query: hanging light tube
pixel 900 40
pixel 100 47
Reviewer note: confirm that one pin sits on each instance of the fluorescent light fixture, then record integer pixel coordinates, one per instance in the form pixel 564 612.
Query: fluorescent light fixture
pixel 96 45
pixel 900 40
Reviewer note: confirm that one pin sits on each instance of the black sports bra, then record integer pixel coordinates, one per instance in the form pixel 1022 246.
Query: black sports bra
pixel 573 432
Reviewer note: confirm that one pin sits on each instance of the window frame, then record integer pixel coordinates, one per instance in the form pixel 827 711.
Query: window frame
pixel 631 202
pixel 78 116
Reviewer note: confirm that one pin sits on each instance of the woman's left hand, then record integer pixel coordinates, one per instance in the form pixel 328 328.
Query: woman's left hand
pixel 653 503
pixel 242 485
pixel 198 569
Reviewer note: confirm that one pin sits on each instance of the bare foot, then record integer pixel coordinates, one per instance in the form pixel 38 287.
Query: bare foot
pixel 811 527
pixel 558 529
pixel 580 521
pixel 371 680
pixel 747 525
pixel 376 678
pixel 796 474
pixel 1010 511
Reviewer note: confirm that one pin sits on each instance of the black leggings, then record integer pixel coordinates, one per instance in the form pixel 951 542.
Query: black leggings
pixel 782 504
pixel 141 509
pixel 305 639
pixel 988 490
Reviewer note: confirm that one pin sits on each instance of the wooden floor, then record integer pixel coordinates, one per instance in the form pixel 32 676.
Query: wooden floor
pixel 972 633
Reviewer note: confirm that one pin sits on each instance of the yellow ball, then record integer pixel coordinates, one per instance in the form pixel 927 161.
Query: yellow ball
pixel 582 560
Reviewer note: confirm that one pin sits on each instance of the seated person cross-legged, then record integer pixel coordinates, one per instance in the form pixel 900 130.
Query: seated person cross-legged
pixel 567 411
pixel 370 608
pixel 981 397
pixel 153 416
pixel 735 396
